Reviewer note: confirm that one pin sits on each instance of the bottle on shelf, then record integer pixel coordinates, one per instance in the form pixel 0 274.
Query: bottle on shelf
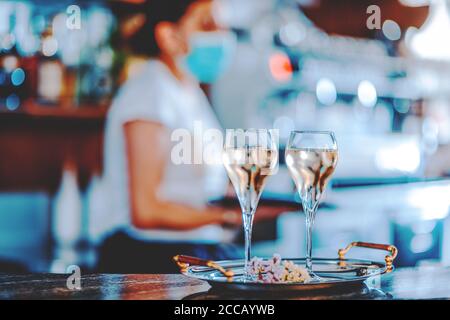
pixel 50 71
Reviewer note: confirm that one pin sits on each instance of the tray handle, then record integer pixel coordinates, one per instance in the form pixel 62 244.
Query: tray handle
pixel 389 259
pixel 184 261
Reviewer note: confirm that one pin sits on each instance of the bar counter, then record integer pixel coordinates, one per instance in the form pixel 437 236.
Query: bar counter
pixel 404 283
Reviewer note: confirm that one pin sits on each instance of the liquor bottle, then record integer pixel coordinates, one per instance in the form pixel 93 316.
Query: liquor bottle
pixel 66 224
pixel 50 71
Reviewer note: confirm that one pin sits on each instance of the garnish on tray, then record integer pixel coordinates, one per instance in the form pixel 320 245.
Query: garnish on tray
pixel 275 270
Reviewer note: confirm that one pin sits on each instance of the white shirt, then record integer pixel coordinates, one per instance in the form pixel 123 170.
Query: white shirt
pixel 155 95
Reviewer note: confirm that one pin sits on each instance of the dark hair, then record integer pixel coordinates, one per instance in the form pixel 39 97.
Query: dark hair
pixel 143 42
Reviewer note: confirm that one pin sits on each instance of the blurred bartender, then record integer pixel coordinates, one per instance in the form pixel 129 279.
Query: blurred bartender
pixel 159 208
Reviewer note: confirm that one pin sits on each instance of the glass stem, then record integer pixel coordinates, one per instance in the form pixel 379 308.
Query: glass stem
pixel 247 219
pixel 310 214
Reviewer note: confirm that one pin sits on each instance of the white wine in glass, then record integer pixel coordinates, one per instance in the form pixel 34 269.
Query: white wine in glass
pixel 311 157
pixel 249 162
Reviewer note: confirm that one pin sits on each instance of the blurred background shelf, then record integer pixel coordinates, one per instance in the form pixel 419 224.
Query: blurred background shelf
pixel 32 110
pixel 38 141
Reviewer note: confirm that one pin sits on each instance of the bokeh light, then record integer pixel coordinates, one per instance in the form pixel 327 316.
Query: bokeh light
pixel 391 30
pixel 367 94
pixel 326 91
pixel 292 34
pixel 18 77
pixel 280 67
pixel 403 157
pixel 12 102
pixel 49 46
pixel 10 63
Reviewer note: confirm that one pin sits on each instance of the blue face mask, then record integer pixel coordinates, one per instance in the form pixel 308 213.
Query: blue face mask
pixel 210 55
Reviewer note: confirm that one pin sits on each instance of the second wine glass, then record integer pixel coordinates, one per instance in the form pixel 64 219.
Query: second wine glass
pixel 311 157
pixel 249 157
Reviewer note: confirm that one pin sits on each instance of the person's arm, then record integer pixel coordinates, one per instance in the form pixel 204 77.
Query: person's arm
pixel 148 150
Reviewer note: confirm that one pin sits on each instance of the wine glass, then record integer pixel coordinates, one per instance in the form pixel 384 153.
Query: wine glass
pixel 311 157
pixel 249 157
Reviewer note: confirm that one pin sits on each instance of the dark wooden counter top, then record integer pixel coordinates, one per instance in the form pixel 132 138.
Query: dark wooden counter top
pixel 408 283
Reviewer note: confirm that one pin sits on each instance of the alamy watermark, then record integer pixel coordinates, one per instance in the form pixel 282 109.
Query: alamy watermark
pixel 73 21
pixel 207 146
pixel 374 19
pixel 74 280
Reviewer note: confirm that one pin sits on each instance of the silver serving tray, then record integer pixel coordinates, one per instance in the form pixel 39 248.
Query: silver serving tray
pixel 333 273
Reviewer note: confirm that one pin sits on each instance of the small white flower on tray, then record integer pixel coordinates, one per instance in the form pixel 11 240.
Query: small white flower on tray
pixel 275 270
